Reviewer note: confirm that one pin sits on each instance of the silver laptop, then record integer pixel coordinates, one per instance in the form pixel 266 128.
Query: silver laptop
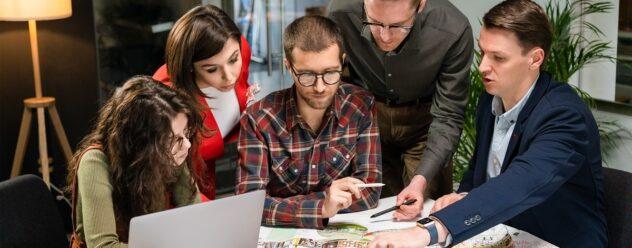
pixel 227 222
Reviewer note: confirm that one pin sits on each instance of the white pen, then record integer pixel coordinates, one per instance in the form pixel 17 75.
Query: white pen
pixel 369 185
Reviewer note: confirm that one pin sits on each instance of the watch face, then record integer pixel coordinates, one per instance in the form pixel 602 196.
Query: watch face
pixel 425 221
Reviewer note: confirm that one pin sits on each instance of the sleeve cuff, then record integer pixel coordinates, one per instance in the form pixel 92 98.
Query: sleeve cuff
pixel 310 215
pixel 448 241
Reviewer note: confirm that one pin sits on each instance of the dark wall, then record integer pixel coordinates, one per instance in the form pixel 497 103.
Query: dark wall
pixel 69 73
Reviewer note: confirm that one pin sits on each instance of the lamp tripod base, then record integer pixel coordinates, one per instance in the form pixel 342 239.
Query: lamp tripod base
pixel 40 104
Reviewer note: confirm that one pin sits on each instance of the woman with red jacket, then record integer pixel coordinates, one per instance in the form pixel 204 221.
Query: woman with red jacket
pixel 208 58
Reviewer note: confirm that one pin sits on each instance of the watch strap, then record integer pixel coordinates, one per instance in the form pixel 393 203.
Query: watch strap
pixel 432 229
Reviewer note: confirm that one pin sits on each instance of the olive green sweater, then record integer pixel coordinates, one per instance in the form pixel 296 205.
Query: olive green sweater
pixel 96 224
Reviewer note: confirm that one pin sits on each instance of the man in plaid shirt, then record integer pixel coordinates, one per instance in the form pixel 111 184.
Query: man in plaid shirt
pixel 310 145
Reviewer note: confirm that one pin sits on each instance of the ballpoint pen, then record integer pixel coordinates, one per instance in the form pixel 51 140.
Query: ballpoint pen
pixel 369 185
pixel 407 202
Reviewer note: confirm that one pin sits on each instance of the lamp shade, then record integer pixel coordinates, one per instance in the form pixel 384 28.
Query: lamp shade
pixel 24 10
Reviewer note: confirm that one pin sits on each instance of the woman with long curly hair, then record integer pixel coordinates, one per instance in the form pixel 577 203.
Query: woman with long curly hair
pixel 207 57
pixel 136 161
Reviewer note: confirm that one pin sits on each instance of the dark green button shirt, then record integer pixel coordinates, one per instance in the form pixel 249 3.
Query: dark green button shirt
pixel 433 63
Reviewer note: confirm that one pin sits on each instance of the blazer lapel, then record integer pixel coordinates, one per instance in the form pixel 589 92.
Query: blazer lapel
pixel 485 134
pixel 513 144
pixel 540 89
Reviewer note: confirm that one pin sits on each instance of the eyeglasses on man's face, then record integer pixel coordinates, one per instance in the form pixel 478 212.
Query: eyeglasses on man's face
pixel 308 79
pixel 393 29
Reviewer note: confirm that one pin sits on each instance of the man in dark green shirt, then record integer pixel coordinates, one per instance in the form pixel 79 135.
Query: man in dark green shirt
pixel 414 56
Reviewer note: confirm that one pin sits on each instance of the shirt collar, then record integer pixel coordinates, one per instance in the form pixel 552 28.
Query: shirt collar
pixel 291 109
pixel 338 104
pixel 512 114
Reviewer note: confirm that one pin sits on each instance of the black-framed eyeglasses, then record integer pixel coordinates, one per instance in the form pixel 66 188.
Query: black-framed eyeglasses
pixel 396 29
pixel 308 79
pixel 179 140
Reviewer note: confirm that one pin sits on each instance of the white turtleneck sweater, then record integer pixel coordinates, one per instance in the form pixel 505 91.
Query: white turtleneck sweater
pixel 225 108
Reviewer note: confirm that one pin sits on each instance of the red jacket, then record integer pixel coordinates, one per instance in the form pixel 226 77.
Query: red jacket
pixel 212 148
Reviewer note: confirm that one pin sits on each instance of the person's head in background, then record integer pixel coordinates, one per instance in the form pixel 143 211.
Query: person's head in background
pixel 515 40
pixel 146 130
pixel 203 50
pixel 314 54
pixel 390 21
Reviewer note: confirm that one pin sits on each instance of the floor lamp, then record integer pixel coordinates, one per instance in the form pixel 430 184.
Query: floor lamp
pixel 32 10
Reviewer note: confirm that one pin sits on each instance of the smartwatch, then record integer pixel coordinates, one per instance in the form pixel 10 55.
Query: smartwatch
pixel 429 224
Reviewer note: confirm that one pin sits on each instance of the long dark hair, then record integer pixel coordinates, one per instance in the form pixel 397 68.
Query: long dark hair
pixel 199 34
pixel 134 131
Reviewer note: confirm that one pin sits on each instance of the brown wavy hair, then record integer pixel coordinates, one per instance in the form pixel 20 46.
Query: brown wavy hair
pixel 134 131
pixel 199 34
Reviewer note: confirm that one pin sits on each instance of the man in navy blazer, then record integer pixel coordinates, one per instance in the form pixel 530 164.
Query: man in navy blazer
pixel 537 163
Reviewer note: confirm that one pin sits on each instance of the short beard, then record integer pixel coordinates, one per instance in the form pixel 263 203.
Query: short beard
pixel 315 105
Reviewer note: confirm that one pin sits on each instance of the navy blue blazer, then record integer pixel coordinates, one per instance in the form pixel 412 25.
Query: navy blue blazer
pixel 551 184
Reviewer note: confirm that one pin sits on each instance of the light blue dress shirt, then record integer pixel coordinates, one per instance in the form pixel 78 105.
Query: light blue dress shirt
pixel 503 129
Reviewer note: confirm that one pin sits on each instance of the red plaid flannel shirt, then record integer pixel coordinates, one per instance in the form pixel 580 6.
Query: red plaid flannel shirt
pixel 278 153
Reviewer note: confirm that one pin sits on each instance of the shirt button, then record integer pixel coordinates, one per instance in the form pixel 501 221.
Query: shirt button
pixel 313 166
pixel 295 170
pixel 390 75
pixel 334 159
pixel 467 222
pixel 347 156
pixel 391 90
